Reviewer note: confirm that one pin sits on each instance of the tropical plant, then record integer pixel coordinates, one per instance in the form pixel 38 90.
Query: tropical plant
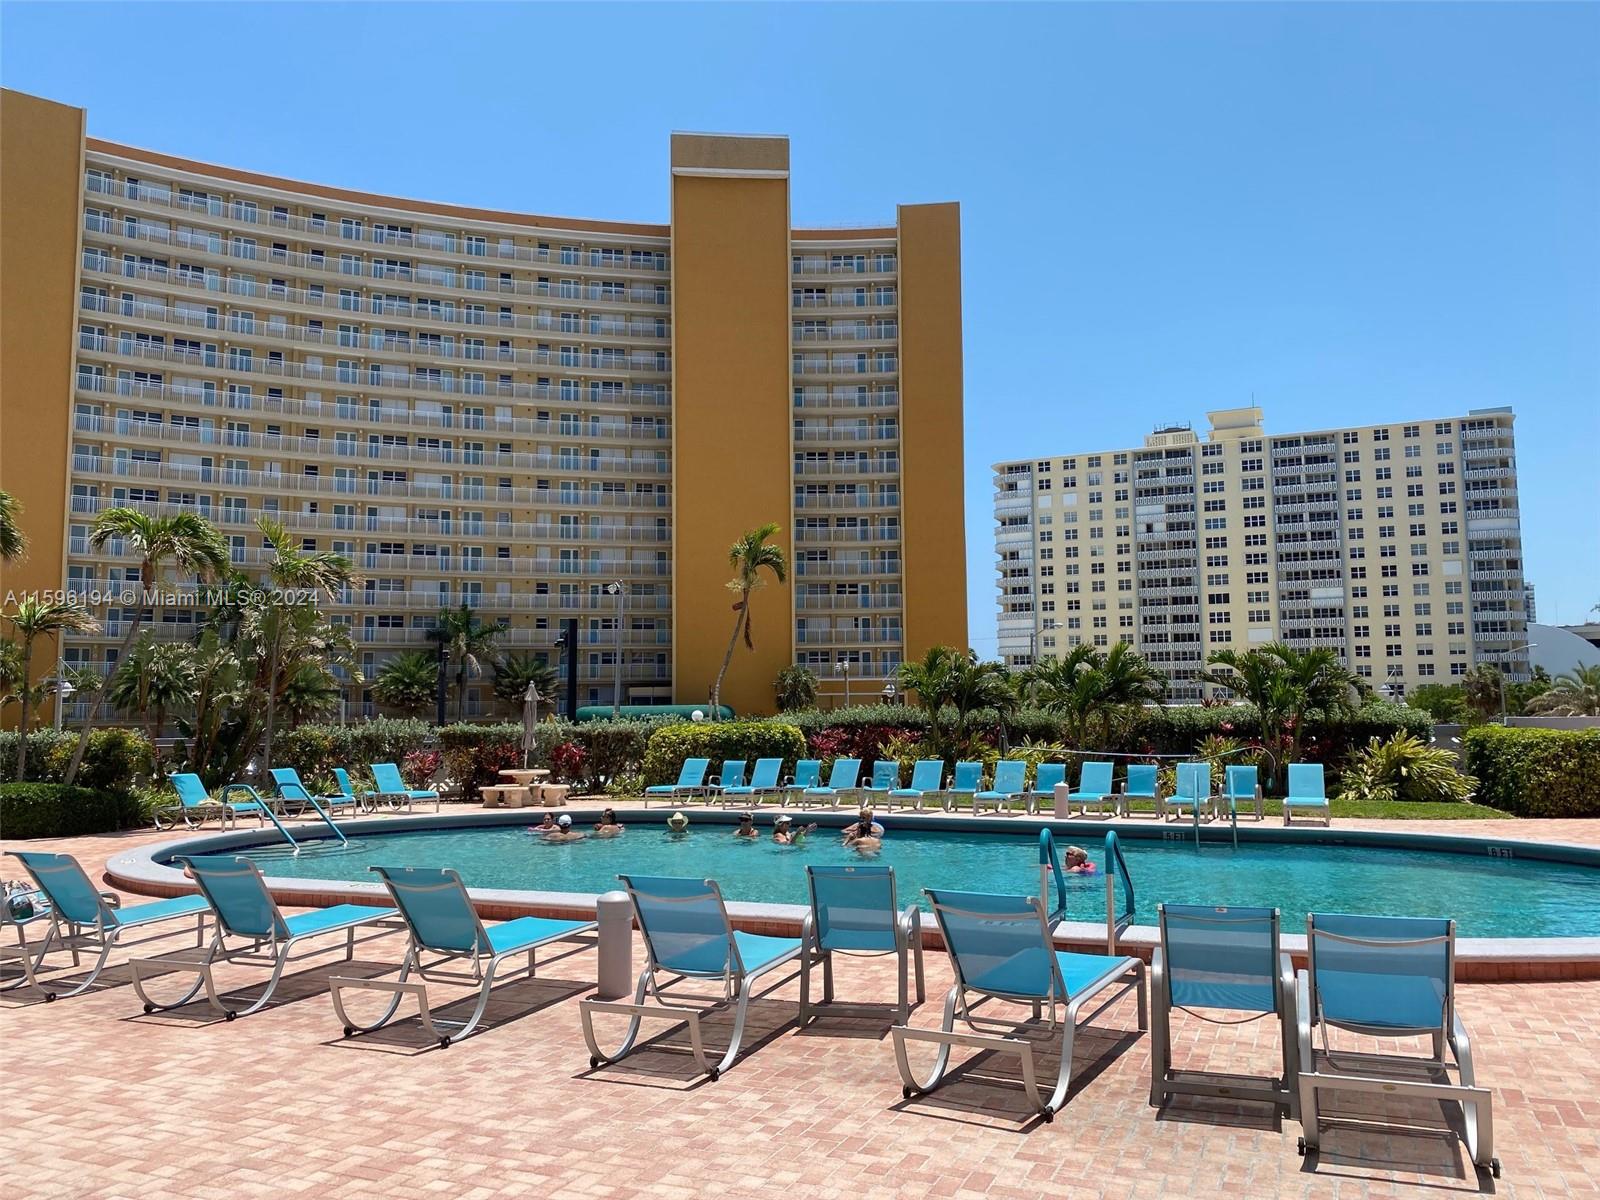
pixel 949 680
pixel 1287 687
pixel 1444 702
pixel 795 688
pixel 13 542
pixel 1575 693
pixel 408 682
pixel 748 557
pixel 155 678
pixel 11 676
pixel 468 641
pixel 298 577
pixel 513 674
pixel 185 542
pixel 32 619
pixel 1094 691
pixel 1404 768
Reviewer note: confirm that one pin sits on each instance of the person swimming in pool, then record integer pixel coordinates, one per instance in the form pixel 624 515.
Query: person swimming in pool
pixel 1078 861
pixel 866 835
pixel 564 832
pixel 548 825
pixel 678 825
pixel 785 834
pixel 747 827
pixel 608 825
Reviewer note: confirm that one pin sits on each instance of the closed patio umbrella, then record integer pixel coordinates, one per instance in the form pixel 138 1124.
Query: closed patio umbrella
pixel 530 722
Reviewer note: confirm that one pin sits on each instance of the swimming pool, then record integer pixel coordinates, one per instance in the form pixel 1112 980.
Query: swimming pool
pixel 1487 894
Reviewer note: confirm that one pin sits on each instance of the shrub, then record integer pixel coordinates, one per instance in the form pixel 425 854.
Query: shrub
pixel 315 749
pixel 1404 768
pixel 719 740
pixel 115 759
pixel 474 755
pixel 419 767
pixel 611 749
pixel 1536 772
pixel 35 810
pixel 566 762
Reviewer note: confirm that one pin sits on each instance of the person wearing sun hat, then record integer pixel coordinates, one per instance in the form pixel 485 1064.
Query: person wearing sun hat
pixel 785 834
pixel 678 822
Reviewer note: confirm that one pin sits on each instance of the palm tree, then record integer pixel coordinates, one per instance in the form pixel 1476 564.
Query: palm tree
pixel 155 678
pixel 13 542
pixel 293 570
pixel 11 678
pixel 747 557
pixel 35 618
pixel 975 686
pixel 795 688
pixel 299 638
pixel 1285 685
pixel 1575 693
pixel 407 682
pixel 186 542
pixel 515 672
pixel 468 641
pixel 932 680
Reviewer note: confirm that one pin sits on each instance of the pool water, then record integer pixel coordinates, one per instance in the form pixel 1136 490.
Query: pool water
pixel 1488 896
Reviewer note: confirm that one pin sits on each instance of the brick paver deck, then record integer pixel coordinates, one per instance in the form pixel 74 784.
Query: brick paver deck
pixel 101 1101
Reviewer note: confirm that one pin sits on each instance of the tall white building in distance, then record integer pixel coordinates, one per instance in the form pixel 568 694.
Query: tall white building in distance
pixel 1397 545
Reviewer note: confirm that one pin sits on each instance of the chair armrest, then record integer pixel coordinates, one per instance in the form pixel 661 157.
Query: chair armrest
pixel 908 929
pixel 808 931
pixel 112 899
pixel 1302 1015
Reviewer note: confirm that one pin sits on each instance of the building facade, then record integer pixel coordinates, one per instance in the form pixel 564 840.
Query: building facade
pixel 1399 546
pixel 490 408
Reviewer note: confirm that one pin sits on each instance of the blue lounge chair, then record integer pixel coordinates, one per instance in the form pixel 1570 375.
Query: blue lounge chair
pixel 687 933
pixel 1225 959
pixel 806 774
pixel 195 806
pixel 854 911
pixel 1241 788
pixel 347 789
pixel 1045 778
pixel 964 781
pixel 926 780
pixel 1000 949
pixel 390 788
pixel 1143 783
pixel 440 918
pixel 885 778
pixel 1386 978
pixel 1192 793
pixel 1308 793
pixel 1010 783
pixel 731 776
pixel 1094 787
pixel 295 792
pixel 81 917
pixel 841 782
pixel 763 781
pixel 242 908
pixel 691 781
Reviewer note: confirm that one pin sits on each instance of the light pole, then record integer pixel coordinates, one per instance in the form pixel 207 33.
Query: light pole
pixel 890 692
pixel 616 589
pixel 63 690
pixel 1503 656
pixel 842 667
pixel 1033 639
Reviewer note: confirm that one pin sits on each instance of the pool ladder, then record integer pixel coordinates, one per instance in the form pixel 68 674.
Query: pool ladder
pixel 266 808
pixel 1115 867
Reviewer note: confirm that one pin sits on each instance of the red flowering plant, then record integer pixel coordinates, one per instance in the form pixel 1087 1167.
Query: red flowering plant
pixel 566 762
pixel 419 767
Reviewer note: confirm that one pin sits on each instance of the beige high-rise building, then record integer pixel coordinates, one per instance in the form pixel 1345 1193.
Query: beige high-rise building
pixel 1397 545
pixel 545 418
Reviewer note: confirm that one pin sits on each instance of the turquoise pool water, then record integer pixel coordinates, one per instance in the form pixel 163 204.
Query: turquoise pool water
pixel 1488 896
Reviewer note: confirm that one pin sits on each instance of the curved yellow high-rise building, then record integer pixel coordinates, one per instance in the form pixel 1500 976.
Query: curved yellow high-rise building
pixel 505 410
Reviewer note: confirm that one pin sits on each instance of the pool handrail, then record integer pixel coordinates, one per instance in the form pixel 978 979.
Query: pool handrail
pixel 1116 922
pixel 1048 865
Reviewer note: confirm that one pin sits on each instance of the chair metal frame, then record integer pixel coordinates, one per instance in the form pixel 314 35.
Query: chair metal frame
pixel 72 928
pixel 1320 1070
pixel 1233 798
pixel 483 959
pixel 1001 797
pixel 885 779
pixel 807 774
pixel 1082 799
pixel 410 795
pixel 735 976
pixel 957 1003
pixel 1040 791
pixel 905 930
pixel 959 786
pixel 271 946
pixel 195 815
pixel 1199 807
pixel 914 793
pixel 1125 796
pixel 730 776
pixel 680 789
pixel 1308 805
pixel 836 789
pixel 1165 1079
pixel 755 791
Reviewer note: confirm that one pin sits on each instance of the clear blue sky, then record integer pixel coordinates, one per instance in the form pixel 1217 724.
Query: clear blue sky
pixel 1351 213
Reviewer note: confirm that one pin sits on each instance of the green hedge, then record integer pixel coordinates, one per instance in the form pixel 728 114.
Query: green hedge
pixel 114 760
pixel 1536 772
pixel 315 750
pixel 720 740
pixel 49 810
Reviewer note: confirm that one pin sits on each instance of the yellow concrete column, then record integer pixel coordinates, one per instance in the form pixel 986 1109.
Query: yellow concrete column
pixel 731 416
pixel 933 511
pixel 41 188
